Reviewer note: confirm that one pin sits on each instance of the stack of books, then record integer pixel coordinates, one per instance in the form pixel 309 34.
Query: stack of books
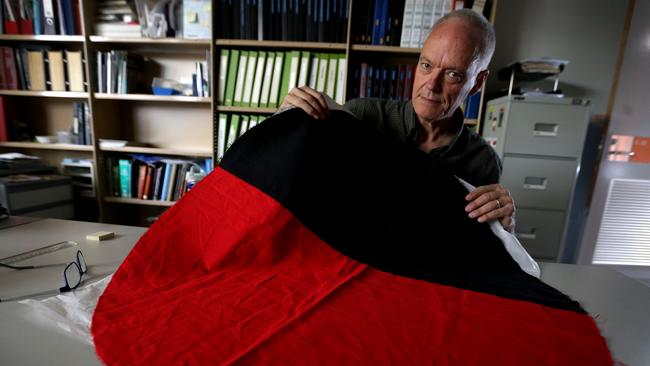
pixel 41 68
pixel 263 78
pixel 393 82
pixel 119 72
pixel 117 18
pixel 306 21
pixel 151 178
pixel 404 23
pixel 40 17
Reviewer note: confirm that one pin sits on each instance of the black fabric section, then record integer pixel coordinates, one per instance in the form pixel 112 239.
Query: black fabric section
pixel 380 203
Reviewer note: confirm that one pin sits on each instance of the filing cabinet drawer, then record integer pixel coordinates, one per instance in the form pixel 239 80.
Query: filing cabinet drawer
pixel 546 129
pixel 539 183
pixel 540 232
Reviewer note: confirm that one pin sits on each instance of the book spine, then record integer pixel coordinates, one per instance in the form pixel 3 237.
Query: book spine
pixel 125 178
pixel 11 77
pixel 416 27
pixel 407 23
pixel 363 78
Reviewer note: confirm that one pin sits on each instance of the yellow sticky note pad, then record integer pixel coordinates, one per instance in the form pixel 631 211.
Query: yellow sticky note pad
pixel 100 235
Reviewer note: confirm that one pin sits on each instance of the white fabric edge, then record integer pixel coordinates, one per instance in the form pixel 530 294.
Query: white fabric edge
pixel 511 243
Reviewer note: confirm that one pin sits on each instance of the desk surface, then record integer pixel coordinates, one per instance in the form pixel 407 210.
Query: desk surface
pixel 23 342
pixel 620 304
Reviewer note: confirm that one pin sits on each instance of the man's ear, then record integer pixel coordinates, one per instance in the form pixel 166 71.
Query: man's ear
pixel 480 80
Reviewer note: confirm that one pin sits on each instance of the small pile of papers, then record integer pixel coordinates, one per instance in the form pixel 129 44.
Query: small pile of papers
pixel 543 65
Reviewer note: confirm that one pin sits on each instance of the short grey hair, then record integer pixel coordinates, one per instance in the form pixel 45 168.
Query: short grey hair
pixel 479 23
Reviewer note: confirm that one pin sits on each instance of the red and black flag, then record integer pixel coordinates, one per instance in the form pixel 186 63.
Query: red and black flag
pixel 325 243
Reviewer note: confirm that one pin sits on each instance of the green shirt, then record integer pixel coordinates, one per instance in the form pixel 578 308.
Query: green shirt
pixel 468 156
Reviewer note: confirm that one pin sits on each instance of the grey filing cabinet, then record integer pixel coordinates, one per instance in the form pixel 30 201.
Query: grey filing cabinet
pixel 540 141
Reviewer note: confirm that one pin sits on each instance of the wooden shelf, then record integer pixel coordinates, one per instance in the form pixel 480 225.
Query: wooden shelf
pixel 136 201
pixel 44 94
pixel 152 41
pixel 223 108
pixel 280 44
pixel 390 49
pixel 38 145
pixel 159 151
pixel 153 98
pixel 41 38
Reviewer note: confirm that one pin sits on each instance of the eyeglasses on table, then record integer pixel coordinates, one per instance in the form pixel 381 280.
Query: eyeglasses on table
pixel 72 275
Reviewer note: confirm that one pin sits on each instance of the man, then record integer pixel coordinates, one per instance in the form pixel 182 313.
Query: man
pixel 452 65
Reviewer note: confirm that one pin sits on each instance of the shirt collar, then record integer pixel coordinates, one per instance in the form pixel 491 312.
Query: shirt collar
pixel 411 120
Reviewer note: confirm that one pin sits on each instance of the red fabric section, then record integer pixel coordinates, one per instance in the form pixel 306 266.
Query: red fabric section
pixel 227 275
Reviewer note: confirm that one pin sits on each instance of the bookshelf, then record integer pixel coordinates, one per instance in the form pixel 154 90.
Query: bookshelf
pixel 169 126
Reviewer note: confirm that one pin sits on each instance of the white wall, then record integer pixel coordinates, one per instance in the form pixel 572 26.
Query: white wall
pixel 585 32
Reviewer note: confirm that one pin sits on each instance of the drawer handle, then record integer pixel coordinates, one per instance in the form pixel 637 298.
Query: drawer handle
pixel 537 183
pixel 545 129
pixel 530 235
pixel 526 236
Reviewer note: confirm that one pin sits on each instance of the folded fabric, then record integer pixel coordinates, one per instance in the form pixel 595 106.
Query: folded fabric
pixel 322 242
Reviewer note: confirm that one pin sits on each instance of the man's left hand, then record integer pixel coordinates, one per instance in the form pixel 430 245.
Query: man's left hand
pixel 491 202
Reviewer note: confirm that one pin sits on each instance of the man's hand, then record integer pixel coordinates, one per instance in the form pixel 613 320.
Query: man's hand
pixel 491 202
pixel 307 99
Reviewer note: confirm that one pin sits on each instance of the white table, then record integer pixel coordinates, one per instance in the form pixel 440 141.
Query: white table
pixel 22 342
pixel 622 304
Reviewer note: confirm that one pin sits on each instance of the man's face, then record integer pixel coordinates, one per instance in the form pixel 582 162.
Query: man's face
pixel 446 71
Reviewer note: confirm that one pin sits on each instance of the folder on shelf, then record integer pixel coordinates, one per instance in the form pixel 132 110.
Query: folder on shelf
pixel 49 18
pixel 340 79
pixel 275 82
pixel 36 70
pixel 243 125
pixel 253 122
pixel 266 83
pixel 289 73
pixel 313 70
pixel 241 78
pixel 75 71
pixel 330 87
pixel 250 78
pixel 222 130
pixel 259 78
pixel 223 76
pixel 303 75
pixel 323 63
pixel 233 66
pixel 233 129
pixel 57 73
